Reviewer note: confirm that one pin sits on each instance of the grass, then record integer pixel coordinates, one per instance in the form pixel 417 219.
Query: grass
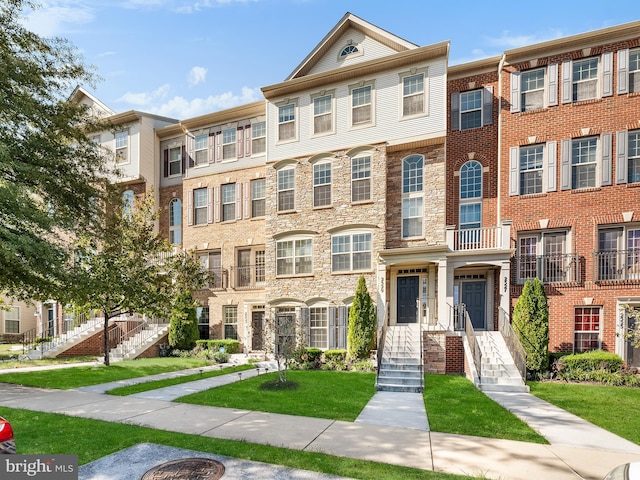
pixel 37 432
pixel 75 377
pixel 613 408
pixel 153 385
pixel 14 364
pixel 455 405
pixel 7 351
pixel 320 394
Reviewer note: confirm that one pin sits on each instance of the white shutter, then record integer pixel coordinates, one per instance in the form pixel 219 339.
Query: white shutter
pixel 246 196
pixel 552 165
pixel 190 207
pixel 623 71
pixel 621 157
pixel 210 193
pixel 607 74
pixel 238 201
pixel 487 105
pixel 514 174
pixel 247 141
pixel 216 204
pixel 606 159
pixel 567 81
pixel 565 165
pixel 455 111
pixel 552 84
pixel 212 146
pixel 515 92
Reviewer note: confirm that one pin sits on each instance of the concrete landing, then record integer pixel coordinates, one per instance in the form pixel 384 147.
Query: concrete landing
pixel 395 409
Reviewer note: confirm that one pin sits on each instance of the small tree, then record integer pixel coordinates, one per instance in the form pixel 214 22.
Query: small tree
pixel 282 340
pixel 361 338
pixel 531 322
pixel 183 331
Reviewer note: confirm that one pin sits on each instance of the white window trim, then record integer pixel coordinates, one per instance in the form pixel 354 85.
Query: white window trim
pixel 411 195
pixel 234 143
pixel 600 325
pixel 178 161
pixel 313 98
pixel 196 150
pixel 294 239
pixel 296 117
pixel 604 78
pixel 372 121
pixel 540 245
pixel 350 233
pixel 264 136
pixel 126 147
pixel 355 157
pixel 278 209
pixel 252 198
pixel 550 95
pixel 425 92
pixel 549 168
pixel 233 202
pixel 313 180
pixel 175 228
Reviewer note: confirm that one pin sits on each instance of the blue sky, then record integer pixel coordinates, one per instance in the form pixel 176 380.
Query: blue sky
pixel 184 58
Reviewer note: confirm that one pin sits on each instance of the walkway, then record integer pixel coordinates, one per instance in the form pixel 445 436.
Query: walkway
pixel 382 433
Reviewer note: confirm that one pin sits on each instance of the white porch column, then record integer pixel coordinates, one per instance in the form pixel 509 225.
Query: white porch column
pixel 504 285
pixel 445 292
pixel 381 300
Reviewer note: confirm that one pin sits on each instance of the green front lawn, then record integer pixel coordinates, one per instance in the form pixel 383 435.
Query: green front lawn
pixel 38 433
pixel 75 377
pixel 613 408
pixel 320 394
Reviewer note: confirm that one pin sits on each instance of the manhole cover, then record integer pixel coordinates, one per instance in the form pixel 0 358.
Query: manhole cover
pixel 186 469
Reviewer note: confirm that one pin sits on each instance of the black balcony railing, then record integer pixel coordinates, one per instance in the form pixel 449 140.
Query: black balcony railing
pixel 558 268
pixel 248 277
pixel 617 265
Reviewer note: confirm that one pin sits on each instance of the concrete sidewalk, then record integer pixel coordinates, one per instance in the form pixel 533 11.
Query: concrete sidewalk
pixel 489 458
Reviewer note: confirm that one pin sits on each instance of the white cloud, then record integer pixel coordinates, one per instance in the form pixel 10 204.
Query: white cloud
pixel 56 17
pixel 198 6
pixel 507 41
pixel 197 75
pixel 181 108
pixel 146 99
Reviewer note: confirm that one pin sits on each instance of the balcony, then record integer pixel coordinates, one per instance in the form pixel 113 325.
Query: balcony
pixel 554 268
pixel 248 277
pixel 218 278
pixel 617 265
pixel 474 239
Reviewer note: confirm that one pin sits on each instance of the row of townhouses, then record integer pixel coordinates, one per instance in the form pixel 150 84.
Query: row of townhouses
pixel 446 187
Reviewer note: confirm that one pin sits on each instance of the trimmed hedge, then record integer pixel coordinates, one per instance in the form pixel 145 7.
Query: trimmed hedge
pixel 230 346
pixel 335 356
pixel 594 360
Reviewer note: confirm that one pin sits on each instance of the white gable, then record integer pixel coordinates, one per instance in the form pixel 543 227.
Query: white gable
pixel 368 49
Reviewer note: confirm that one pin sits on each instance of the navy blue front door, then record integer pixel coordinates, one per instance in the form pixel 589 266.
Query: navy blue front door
pixel 407 296
pixel 473 296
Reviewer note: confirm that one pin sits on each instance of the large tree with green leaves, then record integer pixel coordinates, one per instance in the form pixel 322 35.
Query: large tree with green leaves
pixel 361 337
pixel 49 167
pixel 128 268
pixel 530 320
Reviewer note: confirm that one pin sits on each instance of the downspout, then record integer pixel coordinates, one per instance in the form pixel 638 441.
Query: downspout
pixel 500 66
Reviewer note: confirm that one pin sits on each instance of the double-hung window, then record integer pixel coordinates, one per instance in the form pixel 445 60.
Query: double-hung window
pixel 532 88
pixel 175 161
pixel 361 179
pixel 530 163
pixel 361 105
pixel 322 114
pixel 175 221
pixel 258 197
pixel 470 200
pixel 228 192
pixel 412 196
pixel 258 137
pixel 586 329
pixel 286 189
pixel 633 159
pixel 287 122
pixel 322 184
pixel 634 71
pixel 351 252
pixel 585 79
pixel 200 206
pixel 201 149
pixel 294 257
pixel 318 327
pixel 230 314
pixel 472 109
pixel 413 95
pixel 229 143
pixel 12 320
pixel 122 152
pixel 584 162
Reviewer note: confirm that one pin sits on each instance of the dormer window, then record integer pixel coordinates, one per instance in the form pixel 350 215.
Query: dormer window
pixel 348 50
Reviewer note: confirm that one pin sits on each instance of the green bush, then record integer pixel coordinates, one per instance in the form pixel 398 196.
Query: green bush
pixel 40 340
pixel 183 329
pixel 230 346
pixel 221 357
pixel 589 361
pixel 363 366
pixel 530 321
pixel 335 356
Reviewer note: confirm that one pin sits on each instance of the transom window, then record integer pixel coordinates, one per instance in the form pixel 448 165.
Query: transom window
pixel 586 329
pixel 634 157
pixel 201 149
pixel 230 313
pixel 318 326
pixel 634 71
pixel 121 147
pixel 532 87
pixel 175 221
pixel 286 185
pixel 294 257
pixel 351 252
pixel 583 162
pixel 413 95
pixel 200 206
pixel 258 197
pixel 531 160
pixel 322 184
pixel 322 114
pixel 287 122
pixel 228 192
pixel 361 179
pixel 470 109
pixel 361 106
pixel 412 196
pixel 348 50
pixel 258 137
pixel 175 161
pixel 229 143
pixel 585 79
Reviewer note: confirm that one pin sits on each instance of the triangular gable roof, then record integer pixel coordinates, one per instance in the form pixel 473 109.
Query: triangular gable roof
pixel 347 22
pixel 79 93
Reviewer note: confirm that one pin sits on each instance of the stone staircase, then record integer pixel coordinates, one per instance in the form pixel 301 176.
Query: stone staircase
pixel 401 362
pixel 498 372
pixel 138 343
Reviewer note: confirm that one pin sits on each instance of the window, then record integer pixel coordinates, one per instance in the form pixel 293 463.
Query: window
pixel 412 196
pixel 12 320
pixel 585 79
pixel 211 262
pixel 361 105
pixel 286 185
pixel 322 184
pixel 633 156
pixel 294 257
pixel 200 206
pixel 413 97
pixel 348 50
pixel 259 137
pixel 583 162
pixel 471 197
pixel 472 109
pixel 351 252
pixel 287 122
pixel 634 71
pixel 250 268
pixel 532 88
pixel 260 271
pixel 543 255
pixel 318 326
pixel 122 155
pixel 230 313
pixel 361 179
pixel 258 197
pixel 201 151
pixel 531 169
pixel 175 221
pixel 202 313
pixel 586 329
pixel 229 143
pixel 322 114
pixel 618 255
pixel 228 192
pixel 175 161
pixel 128 198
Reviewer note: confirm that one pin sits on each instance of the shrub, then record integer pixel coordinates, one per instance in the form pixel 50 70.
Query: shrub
pixel 363 366
pixel 531 323
pixel 230 346
pixel 183 330
pixel 335 356
pixel 361 336
pixel 221 357
pixel 589 361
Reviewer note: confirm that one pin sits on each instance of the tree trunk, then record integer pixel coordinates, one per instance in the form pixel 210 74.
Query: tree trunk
pixel 106 338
